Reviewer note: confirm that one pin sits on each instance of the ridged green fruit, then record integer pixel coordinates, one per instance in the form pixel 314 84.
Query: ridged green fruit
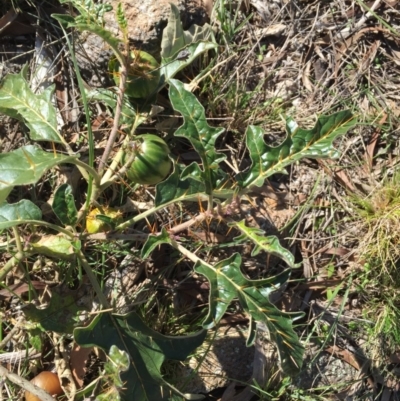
pixel 151 163
pixel 143 74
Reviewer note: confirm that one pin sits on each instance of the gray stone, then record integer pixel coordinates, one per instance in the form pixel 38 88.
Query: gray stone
pixel 148 18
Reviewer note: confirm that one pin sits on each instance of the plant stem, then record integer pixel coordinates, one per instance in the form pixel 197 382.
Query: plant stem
pixel 210 204
pixel 114 131
pixel 120 173
pixel 116 236
pixel 190 255
pixel 93 280
pixel 10 335
pixel 18 240
pixel 120 98
pixel 106 179
pixel 11 263
pixel 54 227
pixel 91 170
pixel 222 194
pixel 153 210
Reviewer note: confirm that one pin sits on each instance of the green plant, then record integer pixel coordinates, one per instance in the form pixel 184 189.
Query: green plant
pixel 228 16
pixel 379 217
pixel 378 281
pixel 142 349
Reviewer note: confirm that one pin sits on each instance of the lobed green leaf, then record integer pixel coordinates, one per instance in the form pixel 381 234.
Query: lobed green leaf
pixel 268 244
pixel 153 241
pixel 173 38
pixel 202 136
pixel 62 313
pixel 299 143
pixel 175 41
pixel 174 189
pixel 24 166
pixel 169 69
pixel 55 246
pixel 227 283
pixel 36 110
pixel 146 348
pixel 14 214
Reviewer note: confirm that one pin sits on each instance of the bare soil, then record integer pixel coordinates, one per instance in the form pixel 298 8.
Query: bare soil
pixel 305 58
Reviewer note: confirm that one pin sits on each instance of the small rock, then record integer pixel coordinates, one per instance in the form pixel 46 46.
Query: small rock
pixel 148 18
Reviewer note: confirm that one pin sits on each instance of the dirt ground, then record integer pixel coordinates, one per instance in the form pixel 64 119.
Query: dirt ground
pixel 290 57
